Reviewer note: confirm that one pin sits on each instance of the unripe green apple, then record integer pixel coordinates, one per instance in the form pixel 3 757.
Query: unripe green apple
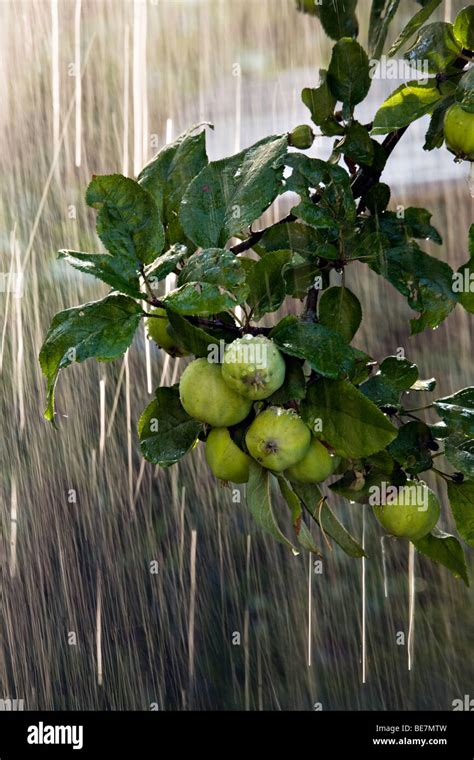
pixel 161 331
pixel 253 366
pixel 224 457
pixel 411 514
pixel 278 438
pixel 301 137
pixel 316 465
pixel 459 132
pixel 206 397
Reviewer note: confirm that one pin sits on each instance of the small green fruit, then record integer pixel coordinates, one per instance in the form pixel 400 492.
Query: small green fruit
pixel 411 514
pixel 224 457
pixel 301 137
pixel 316 465
pixel 206 397
pixel 253 366
pixel 459 132
pixel 161 331
pixel 278 438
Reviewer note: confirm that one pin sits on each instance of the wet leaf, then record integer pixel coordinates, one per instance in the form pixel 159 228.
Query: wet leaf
pixel 165 430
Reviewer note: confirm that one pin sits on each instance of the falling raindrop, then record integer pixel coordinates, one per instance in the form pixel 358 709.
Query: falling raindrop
pixel 470 179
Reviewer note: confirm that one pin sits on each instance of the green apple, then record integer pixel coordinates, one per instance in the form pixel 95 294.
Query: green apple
pixel 459 132
pixel 411 514
pixel 278 438
pixel 161 331
pixel 301 137
pixel 316 465
pixel 224 457
pixel 206 397
pixel 253 366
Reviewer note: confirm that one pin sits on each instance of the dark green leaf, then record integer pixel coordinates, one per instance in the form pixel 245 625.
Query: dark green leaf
pixel 417 224
pixel 165 430
pixel 259 501
pixel 445 550
pixel 348 73
pixel 335 206
pixel 294 385
pixel 303 534
pixel 465 91
pixel 215 266
pixel 266 284
pixel 435 48
pixel 413 25
pixel 337 16
pixel 459 451
pixel 464 27
pixel 322 514
pixel 412 447
pixel 349 422
pixel 199 300
pixel 377 198
pixel 228 195
pixel 293 236
pixel 381 18
pixel 340 310
pixel 194 338
pixel 381 392
pixel 102 330
pixel 325 350
pixel 461 499
pixel 299 278
pixel 357 144
pixel 128 222
pixel 463 285
pixel 320 101
pixel 458 411
pixel 120 272
pixel 168 175
pixel 401 372
pixel 408 102
pixel 426 283
pixel 166 263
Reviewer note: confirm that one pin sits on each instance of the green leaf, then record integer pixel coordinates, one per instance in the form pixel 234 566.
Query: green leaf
pixel 322 514
pixel 424 385
pixel 377 198
pixel 465 91
pixel 259 501
pixel 445 550
pixel 292 236
pixel 416 222
pixel 407 103
pixel 199 300
pixel 194 338
pixel 435 48
pixel 463 285
pixel 425 281
pixel 459 451
pixel 401 372
pixel 348 421
pixel 101 329
pixel 294 385
pixel 413 25
pixel 325 350
pixel 320 101
pixel 461 500
pixel 348 74
pixel 464 27
pixel 228 195
pixel 216 266
pixel 412 447
pixel 357 145
pixel 434 137
pixel 381 392
pixel 458 411
pixel 340 310
pixel 266 284
pixel 303 534
pixel 128 222
pixel 120 272
pixel 166 263
pixel 335 206
pixel 381 18
pixel 337 16
pixel 168 174
pixel 165 430
pixel 300 277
